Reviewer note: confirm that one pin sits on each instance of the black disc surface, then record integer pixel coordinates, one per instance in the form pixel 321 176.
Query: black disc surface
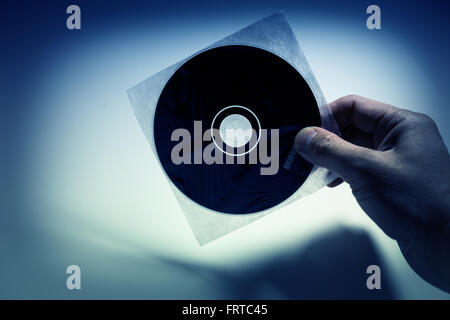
pixel 218 78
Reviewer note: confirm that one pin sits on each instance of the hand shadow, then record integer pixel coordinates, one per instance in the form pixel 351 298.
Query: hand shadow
pixel 332 266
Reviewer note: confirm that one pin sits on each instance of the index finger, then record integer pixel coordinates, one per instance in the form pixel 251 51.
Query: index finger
pixel 362 113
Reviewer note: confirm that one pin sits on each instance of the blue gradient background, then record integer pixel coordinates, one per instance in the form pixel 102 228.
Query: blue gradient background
pixel 80 185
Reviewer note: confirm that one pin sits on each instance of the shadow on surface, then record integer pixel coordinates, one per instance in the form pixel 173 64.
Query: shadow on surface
pixel 331 266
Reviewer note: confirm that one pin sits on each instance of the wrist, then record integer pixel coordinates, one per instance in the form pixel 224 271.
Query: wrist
pixel 428 253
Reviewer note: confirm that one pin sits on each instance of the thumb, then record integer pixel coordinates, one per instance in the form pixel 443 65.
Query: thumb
pixel 325 149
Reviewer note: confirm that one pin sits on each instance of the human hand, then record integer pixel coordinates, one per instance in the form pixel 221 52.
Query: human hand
pixel 398 168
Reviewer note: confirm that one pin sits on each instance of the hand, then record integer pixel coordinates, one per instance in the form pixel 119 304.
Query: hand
pixel 399 170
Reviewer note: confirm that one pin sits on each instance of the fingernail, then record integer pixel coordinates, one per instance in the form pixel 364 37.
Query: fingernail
pixel 304 137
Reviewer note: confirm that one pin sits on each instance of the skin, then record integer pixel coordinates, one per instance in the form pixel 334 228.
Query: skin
pixel 398 168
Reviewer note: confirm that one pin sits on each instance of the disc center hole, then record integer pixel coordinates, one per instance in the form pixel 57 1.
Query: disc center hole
pixel 235 130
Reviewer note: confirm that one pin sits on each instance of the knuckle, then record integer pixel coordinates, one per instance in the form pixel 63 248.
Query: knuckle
pixel 323 146
pixel 427 120
pixel 353 97
pixel 420 121
pixel 400 115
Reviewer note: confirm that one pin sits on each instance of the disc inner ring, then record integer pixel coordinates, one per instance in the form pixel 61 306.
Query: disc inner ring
pixel 237 107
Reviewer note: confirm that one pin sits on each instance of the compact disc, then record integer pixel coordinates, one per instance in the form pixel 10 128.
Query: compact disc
pixel 224 128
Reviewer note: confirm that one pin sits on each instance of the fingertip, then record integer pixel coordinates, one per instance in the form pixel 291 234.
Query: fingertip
pixel 303 138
